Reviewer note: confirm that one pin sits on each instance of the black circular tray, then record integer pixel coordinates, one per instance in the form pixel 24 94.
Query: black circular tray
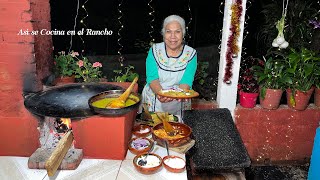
pixel 67 101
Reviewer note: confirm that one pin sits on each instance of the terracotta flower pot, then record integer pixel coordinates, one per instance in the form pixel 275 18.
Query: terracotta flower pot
pixel 64 80
pixel 272 99
pixel 317 97
pixel 301 99
pixel 248 100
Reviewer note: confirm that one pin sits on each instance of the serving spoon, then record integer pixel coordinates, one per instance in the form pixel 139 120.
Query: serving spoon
pixel 120 102
pixel 143 161
pixel 166 125
pixel 166 144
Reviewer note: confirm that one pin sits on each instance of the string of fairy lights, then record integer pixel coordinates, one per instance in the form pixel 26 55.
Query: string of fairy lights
pixel 121 58
pixel 74 26
pixel 152 18
pixel 245 29
pixel 221 6
pixel 187 27
pixel 247 18
pixel 82 22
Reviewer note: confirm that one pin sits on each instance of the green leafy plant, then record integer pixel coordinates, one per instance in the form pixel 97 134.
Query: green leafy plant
pixel 87 71
pixel 125 75
pixel 301 68
pixel 317 74
pixel 302 65
pixel 201 72
pixel 272 75
pixel 65 64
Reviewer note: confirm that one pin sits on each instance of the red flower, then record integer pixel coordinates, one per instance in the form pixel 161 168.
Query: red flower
pixel 80 63
pixel 97 64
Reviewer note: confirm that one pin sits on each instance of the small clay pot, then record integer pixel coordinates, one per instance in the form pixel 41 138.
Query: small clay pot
pixel 64 80
pixel 272 99
pixel 173 168
pixel 141 130
pixel 134 150
pixel 144 169
pixel 301 99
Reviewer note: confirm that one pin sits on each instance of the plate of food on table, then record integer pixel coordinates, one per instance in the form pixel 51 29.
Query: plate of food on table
pixel 174 133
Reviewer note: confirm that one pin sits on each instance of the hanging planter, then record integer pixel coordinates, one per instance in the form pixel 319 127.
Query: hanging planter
pixel 299 100
pixel 271 99
pixel 248 100
pixel 279 41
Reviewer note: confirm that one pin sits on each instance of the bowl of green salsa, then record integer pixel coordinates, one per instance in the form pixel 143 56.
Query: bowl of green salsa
pixel 99 102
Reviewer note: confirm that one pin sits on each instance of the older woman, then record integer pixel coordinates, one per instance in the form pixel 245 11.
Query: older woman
pixel 170 64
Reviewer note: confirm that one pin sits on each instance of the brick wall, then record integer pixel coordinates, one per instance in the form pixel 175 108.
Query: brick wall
pixel 24 61
pixel 278 135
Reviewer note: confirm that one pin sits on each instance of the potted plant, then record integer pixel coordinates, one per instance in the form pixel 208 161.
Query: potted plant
pixel 301 69
pixel 64 67
pixel 87 71
pixel 248 85
pixel 126 76
pixel 272 80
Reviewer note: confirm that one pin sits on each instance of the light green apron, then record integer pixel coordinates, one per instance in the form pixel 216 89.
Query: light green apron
pixel 170 72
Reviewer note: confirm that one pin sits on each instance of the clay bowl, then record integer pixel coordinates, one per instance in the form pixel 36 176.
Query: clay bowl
pixel 139 145
pixel 174 164
pixel 148 169
pixel 173 141
pixel 141 130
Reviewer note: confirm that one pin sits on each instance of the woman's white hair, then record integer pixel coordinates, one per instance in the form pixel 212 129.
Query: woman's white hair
pixel 172 18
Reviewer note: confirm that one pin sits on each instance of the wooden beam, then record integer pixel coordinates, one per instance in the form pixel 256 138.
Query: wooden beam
pixel 58 154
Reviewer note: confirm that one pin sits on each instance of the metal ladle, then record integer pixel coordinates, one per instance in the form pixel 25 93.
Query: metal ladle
pixel 166 144
pixel 143 161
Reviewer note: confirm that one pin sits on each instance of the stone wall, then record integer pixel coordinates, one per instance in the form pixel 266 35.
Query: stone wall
pixel 277 136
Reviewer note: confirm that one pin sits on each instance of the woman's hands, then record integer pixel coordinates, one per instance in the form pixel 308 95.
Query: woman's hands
pixel 156 87
pixel 164 99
